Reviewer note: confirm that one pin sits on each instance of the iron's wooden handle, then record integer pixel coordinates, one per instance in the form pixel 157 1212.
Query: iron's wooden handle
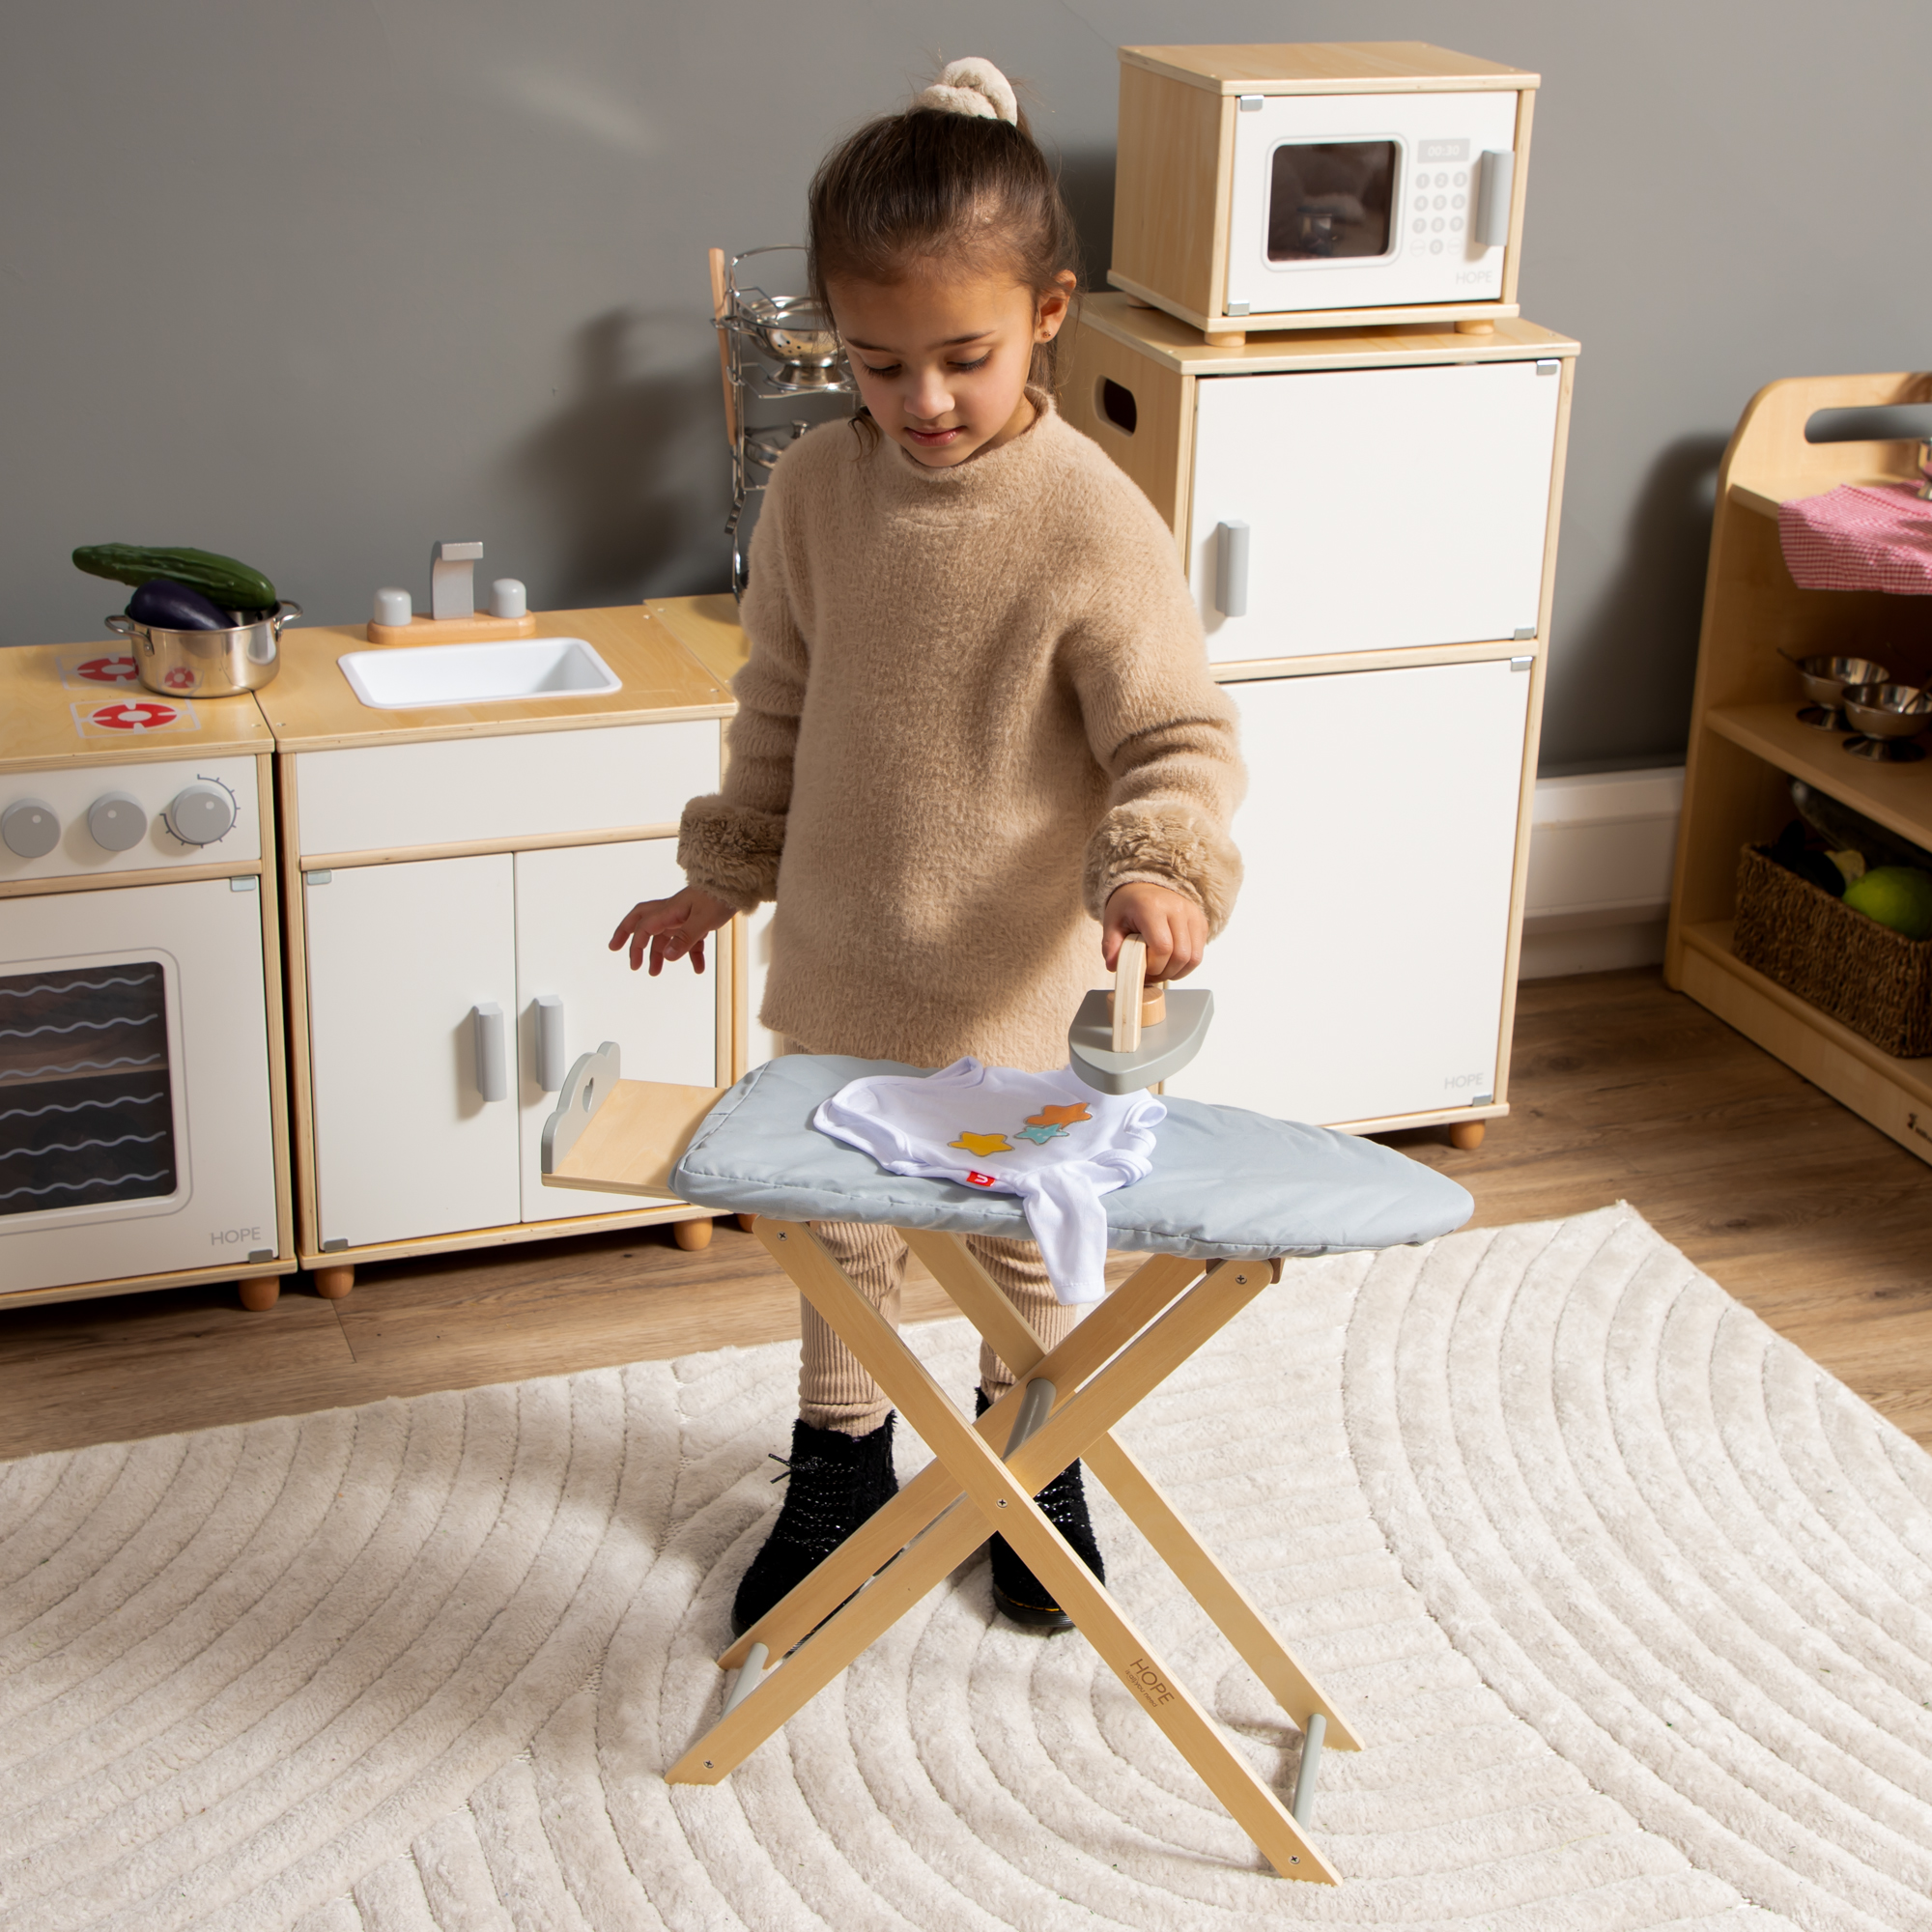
pixel 719 304
pixel 1129 979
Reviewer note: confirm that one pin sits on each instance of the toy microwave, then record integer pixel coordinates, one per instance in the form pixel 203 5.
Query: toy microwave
pixel 1323 185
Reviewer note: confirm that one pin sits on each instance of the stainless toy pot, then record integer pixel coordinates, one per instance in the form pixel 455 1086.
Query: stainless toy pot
pixel 209 664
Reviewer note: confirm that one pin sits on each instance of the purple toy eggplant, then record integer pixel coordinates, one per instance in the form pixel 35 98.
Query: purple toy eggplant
pixel 163 604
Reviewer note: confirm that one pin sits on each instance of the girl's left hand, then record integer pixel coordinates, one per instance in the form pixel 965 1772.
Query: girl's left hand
pixel 1173 926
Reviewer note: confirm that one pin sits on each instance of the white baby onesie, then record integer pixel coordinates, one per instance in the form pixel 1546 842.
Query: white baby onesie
pixel 1049 1138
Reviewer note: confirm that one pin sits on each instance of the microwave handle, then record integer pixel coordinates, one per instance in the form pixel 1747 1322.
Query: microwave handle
pixel 1492 197
pixel 1231 569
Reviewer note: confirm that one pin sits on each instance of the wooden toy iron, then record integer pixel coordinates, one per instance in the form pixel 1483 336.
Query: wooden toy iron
pixel 1138 1035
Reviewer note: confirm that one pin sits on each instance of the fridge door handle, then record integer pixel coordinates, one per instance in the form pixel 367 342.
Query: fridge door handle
pixel 553 1063
pixel 1492 197
pixel 1230 568
pixel 493 1068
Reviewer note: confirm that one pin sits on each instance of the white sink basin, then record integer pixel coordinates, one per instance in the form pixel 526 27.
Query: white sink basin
pixel 417 676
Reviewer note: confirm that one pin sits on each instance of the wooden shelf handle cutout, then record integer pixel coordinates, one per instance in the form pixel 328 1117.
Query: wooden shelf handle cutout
pixel 1136 1035
pixel 618 1136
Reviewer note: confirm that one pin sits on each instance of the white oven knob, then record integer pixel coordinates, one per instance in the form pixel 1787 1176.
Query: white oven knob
pixel 30 828
pixel 116 822
pixel 201 814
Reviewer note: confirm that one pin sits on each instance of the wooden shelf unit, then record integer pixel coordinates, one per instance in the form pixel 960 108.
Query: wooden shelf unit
pixel 1747 743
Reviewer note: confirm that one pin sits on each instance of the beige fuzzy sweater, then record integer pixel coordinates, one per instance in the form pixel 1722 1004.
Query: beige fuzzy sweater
pixel 977 701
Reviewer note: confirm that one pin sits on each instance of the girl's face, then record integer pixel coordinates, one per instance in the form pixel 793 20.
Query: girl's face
pixel 941 359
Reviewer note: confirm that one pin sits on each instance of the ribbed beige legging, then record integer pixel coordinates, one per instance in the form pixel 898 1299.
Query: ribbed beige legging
pixel 834 1391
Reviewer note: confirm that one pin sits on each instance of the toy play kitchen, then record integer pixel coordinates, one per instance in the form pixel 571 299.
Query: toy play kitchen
pixel 468 802
pixel 1367 515
pixel 1275 188
pixel 466 815
pixel 142 1117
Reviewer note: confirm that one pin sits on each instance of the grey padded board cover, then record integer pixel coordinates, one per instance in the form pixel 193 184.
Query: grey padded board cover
pixel 1225 1182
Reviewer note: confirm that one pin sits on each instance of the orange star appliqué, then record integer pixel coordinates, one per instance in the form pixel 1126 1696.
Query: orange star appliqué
pixel 1059 1116
pixel 982 1143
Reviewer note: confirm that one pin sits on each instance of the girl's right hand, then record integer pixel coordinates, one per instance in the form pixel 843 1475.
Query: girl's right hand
pixel 670 928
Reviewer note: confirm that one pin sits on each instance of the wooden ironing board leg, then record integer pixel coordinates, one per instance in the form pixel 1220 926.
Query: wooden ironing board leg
pixel 1157 1283
pixel 1001 1493
pixel 1234 1614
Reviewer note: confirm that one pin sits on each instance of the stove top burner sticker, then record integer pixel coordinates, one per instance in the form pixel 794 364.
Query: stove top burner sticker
pixel 89 668
pixel 134 718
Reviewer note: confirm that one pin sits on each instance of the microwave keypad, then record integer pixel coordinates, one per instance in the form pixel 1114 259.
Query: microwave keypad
pixel 1439 200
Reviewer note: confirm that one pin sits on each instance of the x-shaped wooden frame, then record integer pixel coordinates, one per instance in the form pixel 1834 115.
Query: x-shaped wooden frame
pixel 1125 1349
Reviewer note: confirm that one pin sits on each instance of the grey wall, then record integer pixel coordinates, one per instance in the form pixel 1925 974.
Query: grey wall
pixel 317 281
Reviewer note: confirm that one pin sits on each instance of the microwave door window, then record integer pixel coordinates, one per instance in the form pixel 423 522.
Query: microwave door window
pixel 1330 201
pixel 87 1113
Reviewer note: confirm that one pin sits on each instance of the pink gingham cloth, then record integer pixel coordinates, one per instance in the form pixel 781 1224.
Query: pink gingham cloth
pixel 1860 537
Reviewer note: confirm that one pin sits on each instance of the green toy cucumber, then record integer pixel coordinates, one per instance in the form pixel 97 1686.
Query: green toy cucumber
pixel 221 580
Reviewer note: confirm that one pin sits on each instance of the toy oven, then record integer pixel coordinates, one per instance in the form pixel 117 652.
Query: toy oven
pixel 1302 186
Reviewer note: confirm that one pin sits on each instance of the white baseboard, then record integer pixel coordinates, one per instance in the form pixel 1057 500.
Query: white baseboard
pixel 1601 948
pixel 1601 848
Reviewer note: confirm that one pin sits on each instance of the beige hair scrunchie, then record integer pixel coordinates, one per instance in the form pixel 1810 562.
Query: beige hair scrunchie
pixel 974 87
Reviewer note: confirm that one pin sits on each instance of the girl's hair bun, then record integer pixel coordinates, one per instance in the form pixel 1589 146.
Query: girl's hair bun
pixel 973 87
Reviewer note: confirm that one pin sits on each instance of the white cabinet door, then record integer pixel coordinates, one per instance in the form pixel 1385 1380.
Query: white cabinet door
pixel 399 958
pixel 1386 507
pixel 568 903
pixel 1362 973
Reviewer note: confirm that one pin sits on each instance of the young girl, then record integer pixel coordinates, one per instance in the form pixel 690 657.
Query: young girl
pixel 977 718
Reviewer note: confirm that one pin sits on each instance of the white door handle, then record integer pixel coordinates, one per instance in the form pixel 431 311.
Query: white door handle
pixel 553 1062
pixel 492 1070
pixel 1231 569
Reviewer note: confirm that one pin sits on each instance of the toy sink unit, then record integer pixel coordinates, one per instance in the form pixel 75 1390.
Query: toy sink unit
pixel 414 678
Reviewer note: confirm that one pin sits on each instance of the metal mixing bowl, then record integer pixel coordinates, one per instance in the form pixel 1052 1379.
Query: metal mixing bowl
pixel 209 664
pixel 1824 678
pixel 1888 710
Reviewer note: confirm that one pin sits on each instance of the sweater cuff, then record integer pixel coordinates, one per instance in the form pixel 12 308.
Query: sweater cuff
pixel 731 852
pixel 1167 846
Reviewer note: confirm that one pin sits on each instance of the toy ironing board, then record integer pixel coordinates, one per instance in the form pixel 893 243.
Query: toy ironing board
pixel 1230 1195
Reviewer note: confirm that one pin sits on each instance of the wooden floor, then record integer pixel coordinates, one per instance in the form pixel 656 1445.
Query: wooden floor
pixel 1621 1090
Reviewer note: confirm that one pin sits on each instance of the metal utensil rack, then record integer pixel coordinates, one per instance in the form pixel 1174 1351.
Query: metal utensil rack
pixel 771 349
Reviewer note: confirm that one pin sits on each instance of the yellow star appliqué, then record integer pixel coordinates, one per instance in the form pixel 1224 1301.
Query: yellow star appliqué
pixel 982 1143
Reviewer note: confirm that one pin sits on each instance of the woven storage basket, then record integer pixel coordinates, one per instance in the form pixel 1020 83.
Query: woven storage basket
pixel 1876 980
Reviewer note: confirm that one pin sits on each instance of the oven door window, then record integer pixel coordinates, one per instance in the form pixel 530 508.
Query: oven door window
pixel 87 1087
pixel 1330 201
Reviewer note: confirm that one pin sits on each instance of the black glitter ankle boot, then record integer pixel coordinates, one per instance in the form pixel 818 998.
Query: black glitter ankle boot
pixel 836 1482
pixel 1017 1593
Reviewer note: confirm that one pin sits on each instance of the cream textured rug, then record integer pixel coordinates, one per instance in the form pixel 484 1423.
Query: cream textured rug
pixel 1633 1604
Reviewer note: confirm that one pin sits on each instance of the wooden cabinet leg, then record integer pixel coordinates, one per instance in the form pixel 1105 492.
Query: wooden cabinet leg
pixel 259 1291
pixel 333 1283
pixel 692 1237
pixel 1466 1134
pixel 747 1222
